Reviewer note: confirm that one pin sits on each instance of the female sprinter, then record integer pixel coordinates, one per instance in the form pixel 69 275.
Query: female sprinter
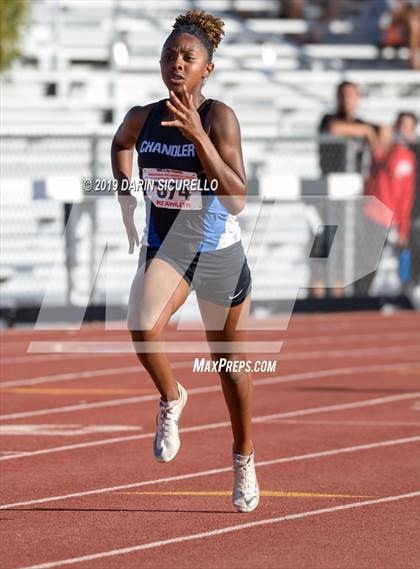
pixel 192 237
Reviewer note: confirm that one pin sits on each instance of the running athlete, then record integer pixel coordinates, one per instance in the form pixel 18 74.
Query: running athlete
pixel 193 180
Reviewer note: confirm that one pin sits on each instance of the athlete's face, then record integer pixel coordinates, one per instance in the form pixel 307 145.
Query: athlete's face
pixel 184 61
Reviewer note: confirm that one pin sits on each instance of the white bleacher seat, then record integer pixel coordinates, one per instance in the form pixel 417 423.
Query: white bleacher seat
pixel 260 131
pixel 214 5
pixel 150 40
pixel 245 49
pixel 31 291
pixel 85 53
pixel 331 51
pixel 32 210
pixel 86 36
pixel 272 26
pixel 344 185
pixel 21 91
pixel 30 254
pixel 257 63
pixel 391 104
pixel 241 76
pixel 232 27
pixel 253 114
pixel 52 116
pixel 303 77
pixel 14 192
pixel 255 5
pixel 297 103
pixel 137 25
pixel 154 7
pixel 399 77
pixel 142 63
pixel 280 186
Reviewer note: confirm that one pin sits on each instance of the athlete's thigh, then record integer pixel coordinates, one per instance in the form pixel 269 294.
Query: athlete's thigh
pixel 226 327
pixel 157 291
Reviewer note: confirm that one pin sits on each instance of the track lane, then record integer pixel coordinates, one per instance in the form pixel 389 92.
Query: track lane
pixel 359 474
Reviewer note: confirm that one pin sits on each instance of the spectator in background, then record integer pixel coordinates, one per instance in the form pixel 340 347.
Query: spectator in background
pixel 392 176
pixel 392 181
pixel 334 157
pixel 295 10
pixel 404 28
pixel 344 122
pixel 292 9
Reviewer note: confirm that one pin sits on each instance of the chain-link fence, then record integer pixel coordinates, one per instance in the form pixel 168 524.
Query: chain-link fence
pixel 307 236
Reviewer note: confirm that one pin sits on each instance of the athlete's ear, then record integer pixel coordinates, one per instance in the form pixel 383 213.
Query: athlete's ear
pixel 209 69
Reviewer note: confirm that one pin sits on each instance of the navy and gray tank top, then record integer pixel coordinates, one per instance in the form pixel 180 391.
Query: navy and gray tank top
pixel 181 207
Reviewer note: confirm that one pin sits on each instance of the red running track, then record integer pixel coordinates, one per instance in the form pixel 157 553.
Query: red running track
pixel 336 432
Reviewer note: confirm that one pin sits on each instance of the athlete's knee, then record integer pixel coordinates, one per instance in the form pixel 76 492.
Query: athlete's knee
pixel 153 335
pixel 146 324
pixel 146 334
pixel 234 369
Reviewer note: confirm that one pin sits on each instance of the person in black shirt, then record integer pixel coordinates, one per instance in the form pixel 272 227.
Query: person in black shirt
pixel 339 156
pixel 344 122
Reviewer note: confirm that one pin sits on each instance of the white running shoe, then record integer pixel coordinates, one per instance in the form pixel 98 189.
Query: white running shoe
pixel 167 443
pixel 246 493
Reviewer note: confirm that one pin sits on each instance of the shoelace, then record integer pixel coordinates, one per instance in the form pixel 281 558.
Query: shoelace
pixel 244 472
pixel 166 421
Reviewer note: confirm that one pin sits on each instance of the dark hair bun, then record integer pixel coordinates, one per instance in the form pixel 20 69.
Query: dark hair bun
pixel 211 25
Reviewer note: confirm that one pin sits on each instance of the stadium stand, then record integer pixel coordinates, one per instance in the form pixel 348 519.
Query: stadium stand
pixel 85 63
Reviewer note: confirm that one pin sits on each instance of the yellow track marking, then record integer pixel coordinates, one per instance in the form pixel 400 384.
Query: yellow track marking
pixel 75 391
pixel 266 493
pixel 413 371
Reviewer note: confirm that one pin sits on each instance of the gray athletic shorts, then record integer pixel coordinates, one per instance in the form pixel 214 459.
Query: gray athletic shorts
pixel 221 276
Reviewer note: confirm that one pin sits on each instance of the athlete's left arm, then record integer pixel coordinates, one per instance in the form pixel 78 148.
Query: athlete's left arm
pixel 219 152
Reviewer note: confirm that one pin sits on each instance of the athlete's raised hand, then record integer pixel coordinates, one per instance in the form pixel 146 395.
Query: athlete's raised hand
pixel 128 204
pixel 187 118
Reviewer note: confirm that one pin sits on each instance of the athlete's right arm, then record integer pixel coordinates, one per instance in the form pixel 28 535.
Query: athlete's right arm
pixel 122 148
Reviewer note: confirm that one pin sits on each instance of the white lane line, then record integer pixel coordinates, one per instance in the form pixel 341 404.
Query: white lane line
pixel 139 369
pixel 312 340
pixel 340 406
pixel 347 423
pixel 286 459
pixel 72 375
pixel 292 326
pixel 49 358
pixel 220 531
pixel 221 425
pixel 84 374
pixel 289 342
pixel 186 346
pixel 208 389
pixel 295 326
pixel 365 352
pixel 62 430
